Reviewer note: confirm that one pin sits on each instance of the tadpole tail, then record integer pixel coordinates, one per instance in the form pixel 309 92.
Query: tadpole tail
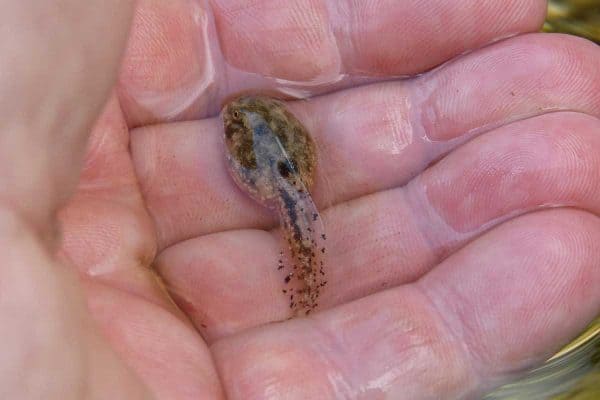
pixel 305 236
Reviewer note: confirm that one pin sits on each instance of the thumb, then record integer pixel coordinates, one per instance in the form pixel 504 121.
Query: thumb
pixel 58 60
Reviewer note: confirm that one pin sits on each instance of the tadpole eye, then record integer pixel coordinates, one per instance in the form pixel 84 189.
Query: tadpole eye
pixel 236 114
pixel 284 169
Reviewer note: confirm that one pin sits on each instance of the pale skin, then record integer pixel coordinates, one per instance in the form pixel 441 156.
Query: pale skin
pixel 445 278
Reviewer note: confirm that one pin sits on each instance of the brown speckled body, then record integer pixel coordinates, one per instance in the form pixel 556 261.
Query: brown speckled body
pixel 272 157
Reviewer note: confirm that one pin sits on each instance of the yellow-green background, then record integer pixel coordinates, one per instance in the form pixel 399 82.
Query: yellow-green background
pixel 577 17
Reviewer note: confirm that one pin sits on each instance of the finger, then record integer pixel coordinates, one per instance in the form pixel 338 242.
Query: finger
pixel 149 336
pixel 543 296
pixel 370 138
pixel 394 237
pixel 452 335
pixel 52 349
pixel 106 232
pixel 44 120
pixel 108 236
pixel 174 68
pixel 331 38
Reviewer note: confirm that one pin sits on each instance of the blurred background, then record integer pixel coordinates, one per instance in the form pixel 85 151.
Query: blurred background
pixel 577 17
pixel 574 372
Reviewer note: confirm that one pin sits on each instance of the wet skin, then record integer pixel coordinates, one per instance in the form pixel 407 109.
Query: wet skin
pixel 437 288
pixel 272 157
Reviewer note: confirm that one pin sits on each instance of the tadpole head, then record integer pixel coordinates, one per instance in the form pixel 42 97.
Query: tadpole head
pixel 237 133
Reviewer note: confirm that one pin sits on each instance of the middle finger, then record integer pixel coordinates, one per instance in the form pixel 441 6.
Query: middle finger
pixel 369 138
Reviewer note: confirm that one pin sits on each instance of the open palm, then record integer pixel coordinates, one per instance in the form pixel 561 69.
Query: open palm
pixel 460 206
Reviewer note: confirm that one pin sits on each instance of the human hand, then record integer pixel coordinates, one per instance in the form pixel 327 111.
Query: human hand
pixel 445 278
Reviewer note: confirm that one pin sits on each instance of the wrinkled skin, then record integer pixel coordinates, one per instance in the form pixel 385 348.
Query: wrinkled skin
pixel 445 278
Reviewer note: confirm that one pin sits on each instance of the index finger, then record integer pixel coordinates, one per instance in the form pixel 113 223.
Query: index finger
pixel 186 56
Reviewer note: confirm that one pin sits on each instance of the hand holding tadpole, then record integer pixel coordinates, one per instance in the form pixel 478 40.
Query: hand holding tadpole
pixel 460 203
